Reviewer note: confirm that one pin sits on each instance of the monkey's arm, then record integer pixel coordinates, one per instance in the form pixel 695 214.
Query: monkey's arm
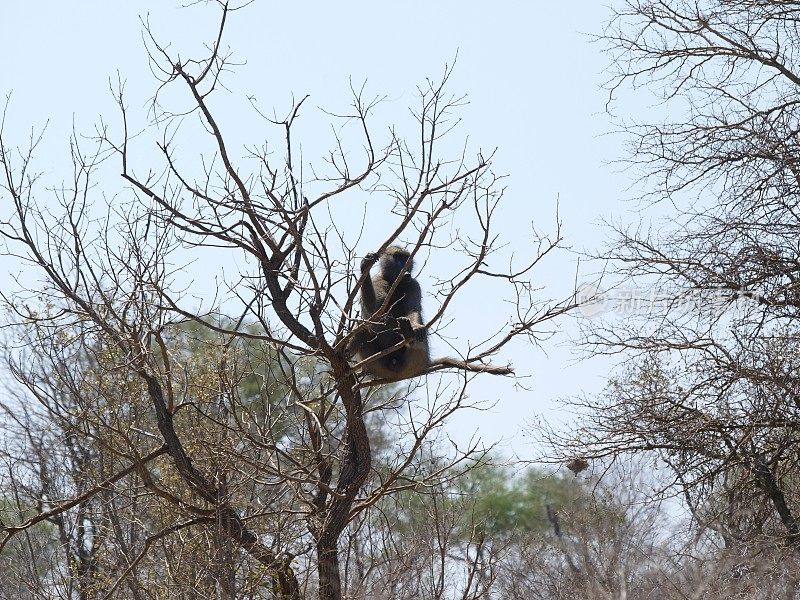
pixel 368 299
pixel 413 303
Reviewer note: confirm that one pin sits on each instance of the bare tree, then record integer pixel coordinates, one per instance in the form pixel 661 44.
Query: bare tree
pixel 256 464
pixel 711 376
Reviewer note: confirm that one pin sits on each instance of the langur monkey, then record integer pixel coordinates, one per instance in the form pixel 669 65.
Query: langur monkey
pixel 400 321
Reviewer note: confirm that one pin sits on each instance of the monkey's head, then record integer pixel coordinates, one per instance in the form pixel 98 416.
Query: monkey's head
pixel 393 259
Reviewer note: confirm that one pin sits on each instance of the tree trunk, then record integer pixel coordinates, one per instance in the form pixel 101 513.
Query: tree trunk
pixel 330 585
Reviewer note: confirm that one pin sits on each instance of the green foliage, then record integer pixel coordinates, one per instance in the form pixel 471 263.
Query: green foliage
pixel 25 561
pixel 502 504
pixel 505 504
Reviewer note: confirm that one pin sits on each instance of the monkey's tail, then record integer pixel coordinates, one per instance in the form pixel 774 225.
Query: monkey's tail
pixel 476 367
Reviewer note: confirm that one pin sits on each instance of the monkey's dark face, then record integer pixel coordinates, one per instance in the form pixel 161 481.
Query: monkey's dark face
pixel 393 261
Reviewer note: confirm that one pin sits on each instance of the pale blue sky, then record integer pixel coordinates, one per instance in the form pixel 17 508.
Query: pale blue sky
pixel 532 77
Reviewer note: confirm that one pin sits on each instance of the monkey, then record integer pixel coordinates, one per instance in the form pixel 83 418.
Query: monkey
pixel 401 320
